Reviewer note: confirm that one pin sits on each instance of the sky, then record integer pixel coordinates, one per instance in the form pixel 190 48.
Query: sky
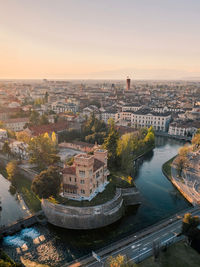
pixel 99 39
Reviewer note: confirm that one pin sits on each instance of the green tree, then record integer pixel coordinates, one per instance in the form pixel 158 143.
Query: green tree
pixel 34 117
pixel 11 134
pixel 6 149
pixel 42 151
pixel 111 143
pixel 46 97
pixel 47 183
pixel 189 225
pixel 43 120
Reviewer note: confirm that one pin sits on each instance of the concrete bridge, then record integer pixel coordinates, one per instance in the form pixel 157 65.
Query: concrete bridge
pixel 21 224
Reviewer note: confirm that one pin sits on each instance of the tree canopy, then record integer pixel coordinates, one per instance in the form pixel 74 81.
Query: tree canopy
pixel 47 183
pixel 42 151
pixel 12 171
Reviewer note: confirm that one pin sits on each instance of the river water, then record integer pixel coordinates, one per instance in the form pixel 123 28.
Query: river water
pixel 13 207
pixel 54 246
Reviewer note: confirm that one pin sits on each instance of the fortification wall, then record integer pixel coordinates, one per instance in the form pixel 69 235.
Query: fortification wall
pixel 89 217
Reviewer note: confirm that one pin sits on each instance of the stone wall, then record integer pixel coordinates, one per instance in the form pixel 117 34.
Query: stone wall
pixel 90 217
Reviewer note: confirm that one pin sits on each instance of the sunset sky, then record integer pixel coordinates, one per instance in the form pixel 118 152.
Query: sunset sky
pixel 109 39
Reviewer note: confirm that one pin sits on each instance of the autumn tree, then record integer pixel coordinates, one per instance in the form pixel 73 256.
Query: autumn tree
pixel 23 137
pixel 42 151
pixel 196 141
pixel 119 261
pixel 47 183
pixel 12 171
pixel 181 160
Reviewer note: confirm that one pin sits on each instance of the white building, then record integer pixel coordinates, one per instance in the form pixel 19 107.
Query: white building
pixel 3 134
pixel 183 128
pixel 16 124
pixel 105 116
pixel 61 107
pixel 146 118
pixel 131 107
pixel 19 149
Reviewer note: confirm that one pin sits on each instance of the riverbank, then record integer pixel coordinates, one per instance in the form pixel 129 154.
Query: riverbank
pixel 23 186
pixel 166 168
pixel 167 171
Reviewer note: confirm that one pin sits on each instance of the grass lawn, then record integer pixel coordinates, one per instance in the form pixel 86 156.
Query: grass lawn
pixel 178 255
pixel 101 198
pixel 31 200
pixel 119 180
pixel 106 195
pixel 167 167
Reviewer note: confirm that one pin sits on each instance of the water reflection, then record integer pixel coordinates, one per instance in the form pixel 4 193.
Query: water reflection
pixel 13 206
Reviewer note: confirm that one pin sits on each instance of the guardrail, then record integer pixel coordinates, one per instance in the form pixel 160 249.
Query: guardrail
pixel 129 239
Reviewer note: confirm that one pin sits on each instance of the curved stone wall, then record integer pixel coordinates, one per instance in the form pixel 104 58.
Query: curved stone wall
pixel 88 217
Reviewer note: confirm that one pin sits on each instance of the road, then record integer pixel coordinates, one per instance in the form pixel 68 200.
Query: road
pixel 142 248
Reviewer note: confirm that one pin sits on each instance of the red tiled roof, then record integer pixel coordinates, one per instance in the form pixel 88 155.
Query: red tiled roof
pixel 48 128
pixel 97 164
pixel 9 110
pixel 17 120
pixel 83 144
pixel 69 170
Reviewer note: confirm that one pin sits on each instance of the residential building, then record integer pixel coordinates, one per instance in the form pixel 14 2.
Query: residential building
pixel 147 118
pixel 19 149
pixel 16 124
pixel 86 177
pixel 3 134
pixel 183 128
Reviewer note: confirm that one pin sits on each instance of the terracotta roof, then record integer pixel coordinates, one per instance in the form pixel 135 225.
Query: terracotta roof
pixel 48 128
pixel 83 144
pixel 97 164
pixel 9 110
pixel 16 120
pixel 69 170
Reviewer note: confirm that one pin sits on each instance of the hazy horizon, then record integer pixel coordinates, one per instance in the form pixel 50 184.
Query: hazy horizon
pixel 108 39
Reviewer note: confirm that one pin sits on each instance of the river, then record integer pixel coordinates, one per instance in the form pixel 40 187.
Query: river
pixel 13 207
pixel 54 246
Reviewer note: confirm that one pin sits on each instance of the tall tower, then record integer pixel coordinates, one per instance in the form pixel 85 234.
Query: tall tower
pixel 128 83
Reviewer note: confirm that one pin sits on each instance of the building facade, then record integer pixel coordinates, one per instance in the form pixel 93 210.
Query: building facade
pixel 86 177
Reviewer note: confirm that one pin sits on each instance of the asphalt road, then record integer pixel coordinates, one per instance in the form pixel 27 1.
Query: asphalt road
pixel 141 249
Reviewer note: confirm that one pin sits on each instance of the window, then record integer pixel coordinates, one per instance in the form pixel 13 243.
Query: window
pixel 82 173
pixel 97 174
pixel 90 191
pixel 82 181
pixel 70 179
pixel 82 191
pixel 75 180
